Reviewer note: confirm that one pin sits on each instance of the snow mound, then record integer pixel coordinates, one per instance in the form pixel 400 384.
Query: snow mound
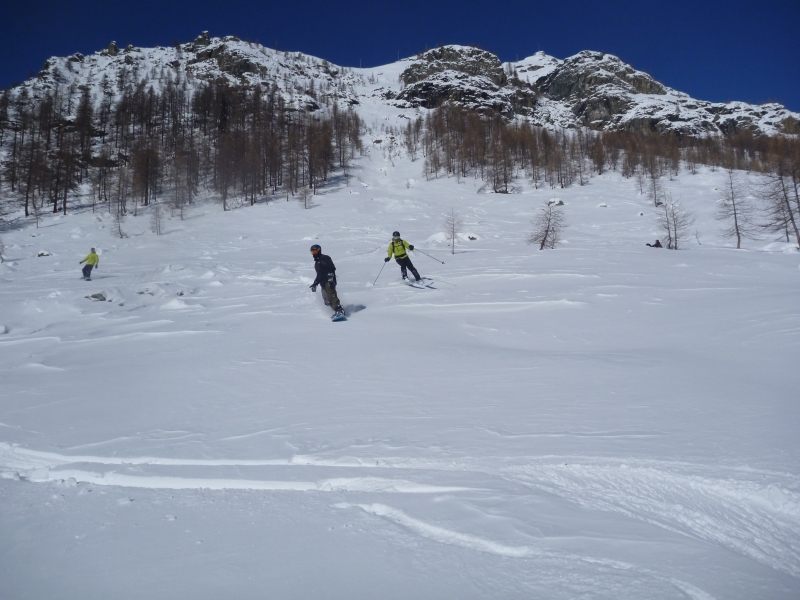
pixel 174 304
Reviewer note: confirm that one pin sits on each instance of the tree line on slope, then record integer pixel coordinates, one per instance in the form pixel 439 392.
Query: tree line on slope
pixel 137 146
pixel 454 141
pixel 143 146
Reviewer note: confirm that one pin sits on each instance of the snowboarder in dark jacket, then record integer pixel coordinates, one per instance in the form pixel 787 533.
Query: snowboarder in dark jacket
pixel 656 245
pixel 398 247
pixel 326 279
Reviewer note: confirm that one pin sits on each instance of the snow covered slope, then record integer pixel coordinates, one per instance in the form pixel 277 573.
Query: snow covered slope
pixel 590 89
pixel 603 420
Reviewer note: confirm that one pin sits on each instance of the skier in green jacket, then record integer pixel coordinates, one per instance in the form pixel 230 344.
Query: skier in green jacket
pixel 398 247
pixel 91 260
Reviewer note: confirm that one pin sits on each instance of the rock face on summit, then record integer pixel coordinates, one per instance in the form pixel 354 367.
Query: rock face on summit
pixel 582 74
pixel 471 61
pixel 474 78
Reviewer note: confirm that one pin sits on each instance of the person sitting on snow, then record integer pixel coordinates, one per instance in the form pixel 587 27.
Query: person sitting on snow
pixel 656 245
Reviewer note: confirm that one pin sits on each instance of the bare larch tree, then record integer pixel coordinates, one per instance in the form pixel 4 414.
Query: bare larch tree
pixel 675 220
pixel 547 226
pixel 736 210
pixel 453 225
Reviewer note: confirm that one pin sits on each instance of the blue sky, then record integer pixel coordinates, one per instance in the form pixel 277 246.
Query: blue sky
pixel 713 50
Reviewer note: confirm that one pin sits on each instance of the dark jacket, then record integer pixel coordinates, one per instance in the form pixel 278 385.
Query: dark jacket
pixel 326 270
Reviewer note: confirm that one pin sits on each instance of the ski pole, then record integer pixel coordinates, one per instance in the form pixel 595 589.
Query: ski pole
pixel 446 282
pixel 379 274
pixel 428 255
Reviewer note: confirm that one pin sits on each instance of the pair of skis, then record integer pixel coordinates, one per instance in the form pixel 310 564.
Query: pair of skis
pixel 425 282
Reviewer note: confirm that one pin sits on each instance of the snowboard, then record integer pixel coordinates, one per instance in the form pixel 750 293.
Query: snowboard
pixel 336 318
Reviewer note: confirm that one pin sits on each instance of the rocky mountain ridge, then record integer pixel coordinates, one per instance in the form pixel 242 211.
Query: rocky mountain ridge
pixel 590 89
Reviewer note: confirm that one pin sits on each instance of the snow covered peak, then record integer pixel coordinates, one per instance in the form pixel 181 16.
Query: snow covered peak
pixel 107 73
pixel 590 89
pixel 535 67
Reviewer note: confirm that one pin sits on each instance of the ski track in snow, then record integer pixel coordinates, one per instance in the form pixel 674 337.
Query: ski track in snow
pixel 340 484
pixel 751 513
pixel 446 536
pixel 754 513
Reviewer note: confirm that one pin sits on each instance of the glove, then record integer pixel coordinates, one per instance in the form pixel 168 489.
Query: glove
pixel 387 259
pixel 314 288
pixel 97 266
pixel 411 246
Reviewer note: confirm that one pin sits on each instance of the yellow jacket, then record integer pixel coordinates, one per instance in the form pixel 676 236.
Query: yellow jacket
pixel 91 259
pixel 398 248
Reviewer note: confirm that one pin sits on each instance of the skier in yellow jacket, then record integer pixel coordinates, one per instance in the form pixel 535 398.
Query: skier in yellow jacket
pixel 398 247
pixel 91 260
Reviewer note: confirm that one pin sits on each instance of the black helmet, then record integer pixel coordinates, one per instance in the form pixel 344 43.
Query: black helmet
pixel 395 234
pixel 315 249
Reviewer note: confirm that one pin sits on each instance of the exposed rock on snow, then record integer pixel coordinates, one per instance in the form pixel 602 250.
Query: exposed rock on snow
pixel 470 61
pixel 603 93
pixel 474 78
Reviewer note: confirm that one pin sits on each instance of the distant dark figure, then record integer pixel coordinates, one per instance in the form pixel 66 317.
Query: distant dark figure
pixel 656 245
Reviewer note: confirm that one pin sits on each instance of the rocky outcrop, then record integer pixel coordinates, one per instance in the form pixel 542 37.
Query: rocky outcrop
pixel 461 59
pixel 583 74
pixel 474 92
pixel 470 77
pixel 201 41
pixel 790 125
pixel 228 59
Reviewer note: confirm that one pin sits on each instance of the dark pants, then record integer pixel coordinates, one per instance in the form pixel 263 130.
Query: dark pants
pixel 329 296
pixel 87 271
pixel 405 263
